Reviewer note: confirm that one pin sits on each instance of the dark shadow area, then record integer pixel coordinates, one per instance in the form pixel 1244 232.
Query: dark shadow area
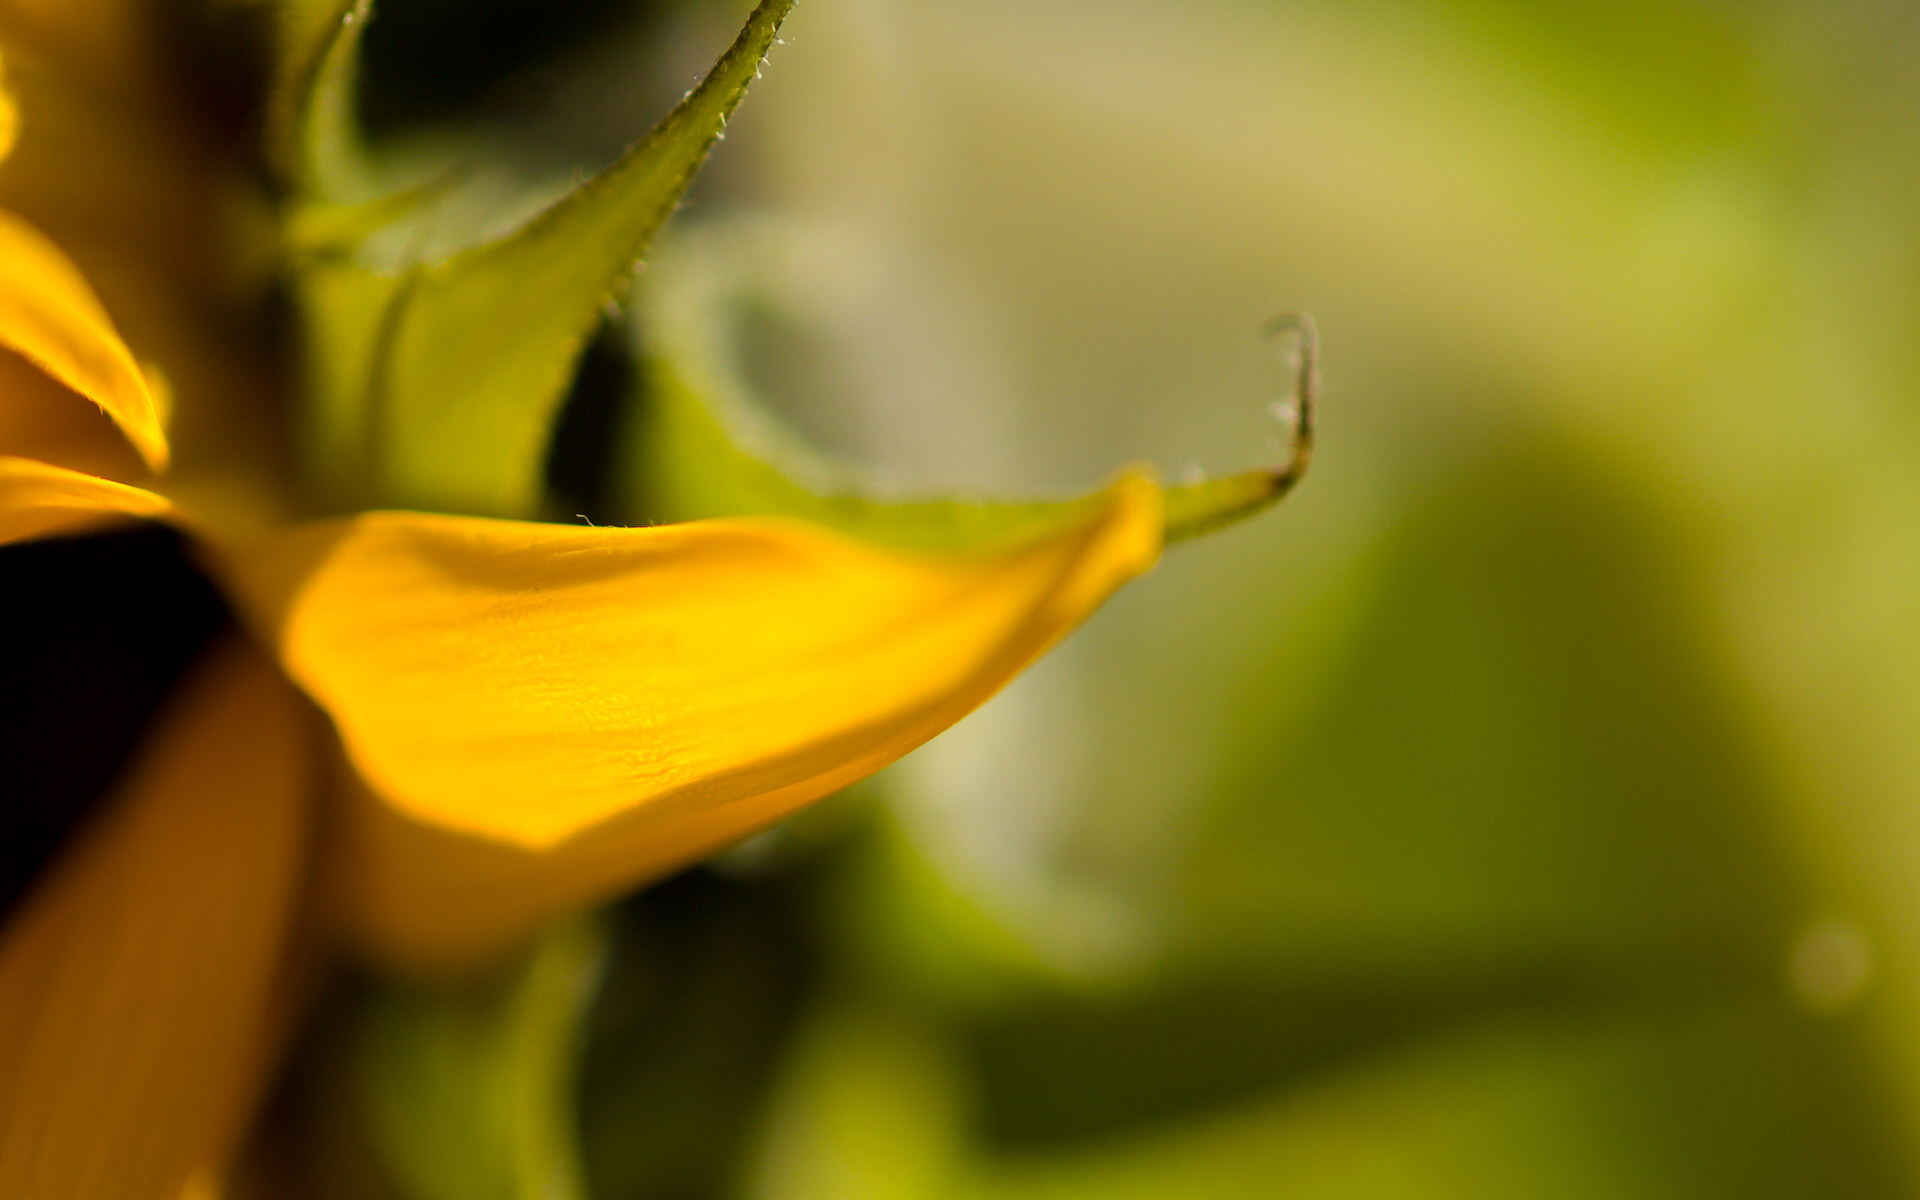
pixel 1711 1090
pixel 1063 1073
pixel 97 631
pixel 581 457
pixel 434 60
pixel 220 58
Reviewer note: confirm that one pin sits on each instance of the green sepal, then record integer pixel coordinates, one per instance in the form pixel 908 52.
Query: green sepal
pixel 468 1091
pixel 435 385
pixel 700 444
pixel 347 312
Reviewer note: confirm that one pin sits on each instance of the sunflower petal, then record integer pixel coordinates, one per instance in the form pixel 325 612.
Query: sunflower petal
pixel 136 981
pixel 39 500
pixel 9 116
pixel 49 316
pixel 550 714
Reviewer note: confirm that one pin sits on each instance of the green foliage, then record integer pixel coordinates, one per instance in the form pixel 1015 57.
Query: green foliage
pixel 1527 752
pixel 1479 885
pixel 1492 910
pixel 468 1091
pixel 706 980
pixel 312 137
pixel 434 384
pixel 1707 1101
pixel 700 443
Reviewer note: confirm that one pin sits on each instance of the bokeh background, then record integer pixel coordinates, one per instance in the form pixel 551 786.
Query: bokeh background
pixel 1529 807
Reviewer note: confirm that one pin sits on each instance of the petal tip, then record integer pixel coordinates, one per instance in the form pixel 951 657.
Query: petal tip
pixel 50 316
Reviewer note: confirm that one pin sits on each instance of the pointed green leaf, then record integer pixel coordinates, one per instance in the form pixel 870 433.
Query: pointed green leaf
pixel 700 445
pixel 483 345
pixel 468 1091
pixel 435 385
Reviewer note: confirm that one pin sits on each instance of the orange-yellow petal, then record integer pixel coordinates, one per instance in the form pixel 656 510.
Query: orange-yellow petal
pixel 49 316
pixel 550 714
pixel 9 116
pixel 38 499
pixel 136 978
pixel 44 419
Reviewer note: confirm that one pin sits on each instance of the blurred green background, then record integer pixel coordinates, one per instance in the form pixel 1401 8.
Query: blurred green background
pixel 1529 807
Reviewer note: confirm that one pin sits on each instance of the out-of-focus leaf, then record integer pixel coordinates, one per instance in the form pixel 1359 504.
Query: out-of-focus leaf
pixel 1528 804
pixel 703 445
pixel 311 131
pixel 704 983
pixel 902 918
pixel 468 1091
pixel 314 138
pixel 1723 1100
pixel 1717 1096
pixel 319 230
pixel 870 1106
pixel 1529 756
pixel 1063 1071
pixel 1671 77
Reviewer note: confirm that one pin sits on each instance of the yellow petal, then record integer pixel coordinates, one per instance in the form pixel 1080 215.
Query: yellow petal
pixel 9 116
pixel 551 714
pixel 136 979
pixel 49 316
pixel 41 418
pixel 38 499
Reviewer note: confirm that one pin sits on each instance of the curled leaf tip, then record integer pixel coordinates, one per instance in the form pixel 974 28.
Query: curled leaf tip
pixel 1306 387
pixel 1201 508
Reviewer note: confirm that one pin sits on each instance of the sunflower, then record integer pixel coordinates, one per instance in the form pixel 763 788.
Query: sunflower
pixel 439 724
